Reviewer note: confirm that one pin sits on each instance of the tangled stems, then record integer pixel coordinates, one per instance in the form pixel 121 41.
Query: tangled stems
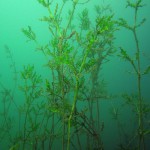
pixel 92 44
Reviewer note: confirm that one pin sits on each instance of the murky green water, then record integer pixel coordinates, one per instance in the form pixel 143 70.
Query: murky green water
pixel 73 75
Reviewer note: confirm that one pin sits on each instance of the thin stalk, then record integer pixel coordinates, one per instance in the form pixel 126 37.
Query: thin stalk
pixel 77 134
pixel 75 98
pixel 140 121
pixel 72 111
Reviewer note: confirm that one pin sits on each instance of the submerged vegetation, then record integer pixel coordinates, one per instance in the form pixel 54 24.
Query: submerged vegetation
pixel 140 107
pixel 63 110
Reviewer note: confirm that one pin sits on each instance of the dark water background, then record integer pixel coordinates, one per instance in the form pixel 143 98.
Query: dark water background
pixel 18 14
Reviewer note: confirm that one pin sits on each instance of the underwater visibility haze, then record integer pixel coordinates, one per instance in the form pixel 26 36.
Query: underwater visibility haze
pixel 74 75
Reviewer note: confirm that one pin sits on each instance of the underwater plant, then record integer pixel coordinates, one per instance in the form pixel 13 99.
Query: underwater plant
pixel 64 109
pixel 7 97
pixel 73 53
pixel 136 101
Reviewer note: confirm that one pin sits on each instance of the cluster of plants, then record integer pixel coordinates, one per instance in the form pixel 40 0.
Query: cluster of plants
pixel 64 110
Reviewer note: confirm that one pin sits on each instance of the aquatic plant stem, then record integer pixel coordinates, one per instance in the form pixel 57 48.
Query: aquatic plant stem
pixel 140 122
pixel 75 98
pixel 137 68
pixel 71 114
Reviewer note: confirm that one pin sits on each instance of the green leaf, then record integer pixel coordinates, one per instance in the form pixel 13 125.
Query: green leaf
pixel 136 4
pixel 104 24
pixel 147 70
pixel 29 33
pixel 146 132
pixel 15 147
pixel 84 20
pixel 114 112
pixel 27 73
pixel 122 22
pixel 48 86
pixel 146 109
pixel 141 23
pixel 124 55
pixel 45 18
pixel 90 64
pixel 44 3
